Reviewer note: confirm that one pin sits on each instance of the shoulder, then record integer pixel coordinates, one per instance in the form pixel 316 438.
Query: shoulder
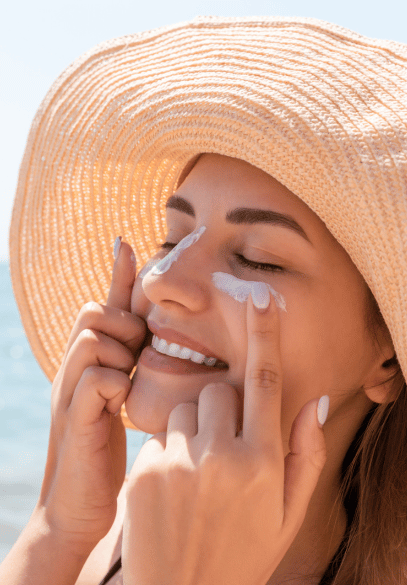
pixel 108 550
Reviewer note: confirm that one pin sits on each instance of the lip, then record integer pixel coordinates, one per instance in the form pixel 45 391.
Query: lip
pixel 174 337
pixel 160 362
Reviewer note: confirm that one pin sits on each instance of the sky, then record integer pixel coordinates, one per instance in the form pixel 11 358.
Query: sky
pixel 40 38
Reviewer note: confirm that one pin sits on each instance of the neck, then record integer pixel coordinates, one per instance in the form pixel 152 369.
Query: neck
pixel 325 522
pixel 317 541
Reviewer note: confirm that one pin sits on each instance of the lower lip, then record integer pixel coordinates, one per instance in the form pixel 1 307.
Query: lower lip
pixel 155 360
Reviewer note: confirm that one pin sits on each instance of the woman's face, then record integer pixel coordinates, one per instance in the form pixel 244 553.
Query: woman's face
pixel 325 346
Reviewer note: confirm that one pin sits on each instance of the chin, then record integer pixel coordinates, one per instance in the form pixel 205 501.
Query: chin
pixel 154 395
pixel 149 427
pixel 148 415
pixel 152 398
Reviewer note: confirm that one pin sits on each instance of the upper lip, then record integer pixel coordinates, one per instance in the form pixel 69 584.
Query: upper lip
pixel 173 336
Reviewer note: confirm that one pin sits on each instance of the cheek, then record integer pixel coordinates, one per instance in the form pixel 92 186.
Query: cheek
pixel 232 327
pixel 323 348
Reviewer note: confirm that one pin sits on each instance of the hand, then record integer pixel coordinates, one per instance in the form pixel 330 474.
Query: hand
pixel 86 460
pixel 206 506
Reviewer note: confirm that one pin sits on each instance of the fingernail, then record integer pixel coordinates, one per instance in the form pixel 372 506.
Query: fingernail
pixel 322 410
pixel 260 295
pixel 118 412
pixel 116 247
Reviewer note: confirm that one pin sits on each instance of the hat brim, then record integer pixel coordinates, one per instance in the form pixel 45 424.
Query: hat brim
pixel 111 139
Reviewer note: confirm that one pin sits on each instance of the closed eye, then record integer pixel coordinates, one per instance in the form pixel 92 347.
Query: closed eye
pixel 242 260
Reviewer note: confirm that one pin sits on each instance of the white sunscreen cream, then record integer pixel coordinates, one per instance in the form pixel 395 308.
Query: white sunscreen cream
pixel 235 287
pixel 240 289
pixel 160 266
pixel 148 266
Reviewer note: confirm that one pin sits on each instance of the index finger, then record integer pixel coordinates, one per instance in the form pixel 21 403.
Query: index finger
pixel 123 276
pixel 263 378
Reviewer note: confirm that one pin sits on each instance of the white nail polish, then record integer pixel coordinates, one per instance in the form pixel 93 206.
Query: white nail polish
pixel 240 289
pixel 322 409
pixel 260 295
pixel 116 247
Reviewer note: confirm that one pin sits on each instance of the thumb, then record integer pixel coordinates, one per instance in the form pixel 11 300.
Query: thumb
pixel 124 273
pixel 304 463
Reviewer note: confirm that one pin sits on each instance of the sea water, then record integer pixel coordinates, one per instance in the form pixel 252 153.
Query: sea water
pixel 25 394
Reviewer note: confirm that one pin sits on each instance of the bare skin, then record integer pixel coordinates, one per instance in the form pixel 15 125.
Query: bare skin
pixel 320 346
pixel 324 345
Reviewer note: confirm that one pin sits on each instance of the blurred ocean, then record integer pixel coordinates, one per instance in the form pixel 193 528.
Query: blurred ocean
pixel 24 421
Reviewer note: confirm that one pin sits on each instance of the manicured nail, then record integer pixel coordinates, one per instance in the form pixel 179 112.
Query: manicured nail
pixel 116 247
pixel 260 295
pixel 322 410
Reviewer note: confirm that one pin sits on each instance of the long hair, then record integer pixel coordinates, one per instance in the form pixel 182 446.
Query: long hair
pixel 374 488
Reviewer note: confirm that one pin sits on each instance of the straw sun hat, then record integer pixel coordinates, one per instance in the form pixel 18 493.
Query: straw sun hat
pixel 320 108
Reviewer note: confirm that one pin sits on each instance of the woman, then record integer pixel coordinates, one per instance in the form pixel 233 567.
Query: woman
pixel 276 149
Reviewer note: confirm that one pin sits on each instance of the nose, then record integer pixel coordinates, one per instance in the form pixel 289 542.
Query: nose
pixel 179 280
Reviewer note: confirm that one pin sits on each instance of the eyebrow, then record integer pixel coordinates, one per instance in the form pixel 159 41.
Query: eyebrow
pixel 244 215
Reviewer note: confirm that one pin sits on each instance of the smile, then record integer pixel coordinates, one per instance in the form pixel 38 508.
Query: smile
pixel 184 353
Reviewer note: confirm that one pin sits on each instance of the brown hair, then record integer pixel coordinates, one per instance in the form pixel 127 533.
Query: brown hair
pixel 374 486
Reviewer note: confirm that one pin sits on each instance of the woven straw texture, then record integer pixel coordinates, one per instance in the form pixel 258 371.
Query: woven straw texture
pixel 320 108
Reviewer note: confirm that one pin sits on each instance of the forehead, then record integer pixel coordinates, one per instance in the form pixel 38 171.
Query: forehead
pixel 224 183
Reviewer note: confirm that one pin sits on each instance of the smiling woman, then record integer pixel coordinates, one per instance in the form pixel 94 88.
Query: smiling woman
pixel 253 320
pixel 324 345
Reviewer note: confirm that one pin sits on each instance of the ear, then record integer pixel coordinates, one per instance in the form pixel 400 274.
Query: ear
pixel 380 383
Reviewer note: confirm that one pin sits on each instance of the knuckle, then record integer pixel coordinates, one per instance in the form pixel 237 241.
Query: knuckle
pixel 318 460
pixel 88 337
pixel 210 391
pixel 89 313
pixel 184 408
pixel 221 467
pixel 213 463
pixel 265 375
pixel 259 470
pixel 263 333
pixel 92 376
pixel 216 390
pixel 180 473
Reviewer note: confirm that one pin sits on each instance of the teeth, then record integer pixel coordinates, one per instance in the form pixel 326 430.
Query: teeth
pixel 197 357
pixel 185 353
pixel 173 349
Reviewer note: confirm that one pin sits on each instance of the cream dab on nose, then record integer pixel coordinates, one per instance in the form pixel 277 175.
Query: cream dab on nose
pixel 240 289
pixel 161 266
pixel 147 267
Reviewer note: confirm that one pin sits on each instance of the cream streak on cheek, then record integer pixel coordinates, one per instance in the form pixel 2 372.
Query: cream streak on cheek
pixel 240 289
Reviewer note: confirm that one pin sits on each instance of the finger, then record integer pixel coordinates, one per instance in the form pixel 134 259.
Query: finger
pixel 182 425
pixel 153 448
pixel 123 276
pixel 98 389
pixel 183 418
pixel 304 463
pixel 125 327
pixel 263 378
pixel 91 348
pixel 218 411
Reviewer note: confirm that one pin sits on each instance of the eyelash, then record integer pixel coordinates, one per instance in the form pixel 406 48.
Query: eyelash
pixel 242 260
